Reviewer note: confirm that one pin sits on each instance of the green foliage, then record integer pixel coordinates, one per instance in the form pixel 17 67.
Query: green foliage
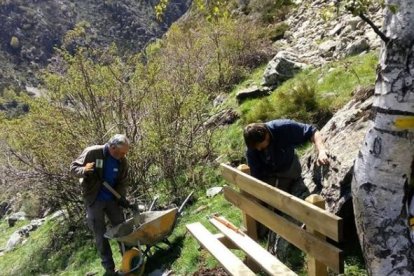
pixel 313 95
pixel 77 36
pixel 298 102
pixel 357 7
pixel 6 231
pixel 160 9
pixel 229 143
pixel 270 10
pixel 14 42
pixel 219 52
pixel 328 12
pixel 47 252
pixel 277 32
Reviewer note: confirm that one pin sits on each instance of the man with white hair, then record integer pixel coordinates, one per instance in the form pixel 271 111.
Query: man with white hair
pixel 98 164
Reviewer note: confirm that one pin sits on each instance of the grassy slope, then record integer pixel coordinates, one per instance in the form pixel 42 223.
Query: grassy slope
pixel 41 254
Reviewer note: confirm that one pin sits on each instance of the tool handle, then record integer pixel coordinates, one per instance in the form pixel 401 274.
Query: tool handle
pixel 112 190
pixel 228 224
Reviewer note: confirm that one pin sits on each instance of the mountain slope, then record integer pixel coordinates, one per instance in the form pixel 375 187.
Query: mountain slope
pixel 31 29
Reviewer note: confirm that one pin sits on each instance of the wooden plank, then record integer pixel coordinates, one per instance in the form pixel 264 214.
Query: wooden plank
pixel 320 249
pixel 249 222
pixel 320 220
pixel 225 241
pixel 227 259
pixel 316 268
pixel 267 261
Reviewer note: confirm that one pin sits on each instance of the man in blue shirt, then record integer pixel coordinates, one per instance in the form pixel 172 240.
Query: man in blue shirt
pixel 98 164
pixel 271 150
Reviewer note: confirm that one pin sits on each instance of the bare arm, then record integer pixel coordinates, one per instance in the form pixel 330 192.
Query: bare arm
pixel 322 155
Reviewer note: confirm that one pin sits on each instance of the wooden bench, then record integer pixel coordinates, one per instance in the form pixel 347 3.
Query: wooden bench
pixel 319 225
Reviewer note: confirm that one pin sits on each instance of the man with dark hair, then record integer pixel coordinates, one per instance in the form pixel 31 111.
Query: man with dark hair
pixel 271 150
pixel 98 164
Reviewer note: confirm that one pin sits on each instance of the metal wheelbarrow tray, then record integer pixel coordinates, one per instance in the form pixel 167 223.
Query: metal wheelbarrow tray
pixel 147 228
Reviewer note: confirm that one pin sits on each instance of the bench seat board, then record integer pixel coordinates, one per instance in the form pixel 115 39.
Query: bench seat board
pixel 232 264
pixel 267 261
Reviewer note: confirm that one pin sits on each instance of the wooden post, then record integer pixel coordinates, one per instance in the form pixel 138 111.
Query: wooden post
pixel 249 222
pixel 316 268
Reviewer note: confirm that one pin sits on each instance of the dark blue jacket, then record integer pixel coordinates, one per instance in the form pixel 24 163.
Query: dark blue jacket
pixel 285 135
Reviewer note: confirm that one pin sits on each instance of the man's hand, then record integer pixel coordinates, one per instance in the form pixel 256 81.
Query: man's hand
pixel 123 202
pixel 89 167
pixel 322 158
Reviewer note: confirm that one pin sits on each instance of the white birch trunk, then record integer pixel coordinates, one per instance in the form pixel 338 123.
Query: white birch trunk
pixel 383 167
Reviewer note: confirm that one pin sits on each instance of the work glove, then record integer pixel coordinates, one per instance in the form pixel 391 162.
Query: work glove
pixel 123 202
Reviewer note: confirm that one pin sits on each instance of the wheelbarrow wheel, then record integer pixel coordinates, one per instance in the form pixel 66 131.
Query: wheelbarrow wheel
pixel 133 262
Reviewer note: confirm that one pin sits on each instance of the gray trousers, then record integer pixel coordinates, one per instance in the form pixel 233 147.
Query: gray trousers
pixel 96 222
pixel 285 180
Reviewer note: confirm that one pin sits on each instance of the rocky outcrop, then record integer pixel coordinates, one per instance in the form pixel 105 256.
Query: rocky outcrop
pixel 317 38
pixel 20 235
pixel 252 92
pixel 314 40
pixel 13 218
pixel 343 136
pixel 282 67
pixel 224 117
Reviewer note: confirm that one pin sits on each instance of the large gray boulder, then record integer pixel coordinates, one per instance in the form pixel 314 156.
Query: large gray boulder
pixel 357 47
pixel 12 218
pixel 343 136
pixel 281 68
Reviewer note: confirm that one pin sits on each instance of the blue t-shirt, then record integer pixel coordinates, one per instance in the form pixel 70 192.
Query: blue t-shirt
pixel 285 135
pixel 110 173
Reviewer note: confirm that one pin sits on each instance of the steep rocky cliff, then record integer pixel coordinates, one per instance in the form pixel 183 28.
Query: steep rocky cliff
pixel 31 29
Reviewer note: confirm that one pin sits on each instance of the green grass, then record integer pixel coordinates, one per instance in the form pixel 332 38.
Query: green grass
pixel 48 249
pixel 6 231
pixel 184 257
pixel 44 253
pixel 27 258
pixel 255 78
pixel 333 85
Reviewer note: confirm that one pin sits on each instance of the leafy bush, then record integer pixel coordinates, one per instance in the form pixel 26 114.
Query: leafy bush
pixel 271 10
pixel 277 32
pixel 298 103
pixel 14 42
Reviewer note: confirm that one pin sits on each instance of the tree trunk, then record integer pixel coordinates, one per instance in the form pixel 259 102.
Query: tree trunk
pixel 383 167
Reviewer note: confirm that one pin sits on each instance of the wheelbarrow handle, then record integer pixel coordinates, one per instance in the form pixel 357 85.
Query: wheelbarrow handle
pixel 184 202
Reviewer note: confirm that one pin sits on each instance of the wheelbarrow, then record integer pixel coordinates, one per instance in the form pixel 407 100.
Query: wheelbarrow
pixel 147 228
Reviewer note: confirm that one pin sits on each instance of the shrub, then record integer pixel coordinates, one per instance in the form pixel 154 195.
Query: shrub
pixel 14 42
pixel 278 31
pixel 271 10
pixel 298 103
